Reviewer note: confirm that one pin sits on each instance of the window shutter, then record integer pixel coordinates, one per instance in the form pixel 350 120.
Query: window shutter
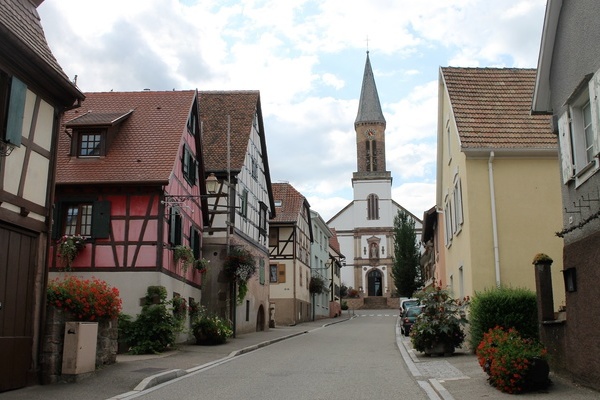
pixel 101 219
pixel 594 87
pixel 195 242
pixel 177 230
pixel 564 140
pixel 16 110
pixel 261 271
pixel 172 226
pixel 56 220
pixel 281 273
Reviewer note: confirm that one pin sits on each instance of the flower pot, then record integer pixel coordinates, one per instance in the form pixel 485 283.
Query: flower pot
pixel 439 349
pixel 537 375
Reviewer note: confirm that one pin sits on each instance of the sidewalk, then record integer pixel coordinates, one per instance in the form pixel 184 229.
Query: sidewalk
pixel 460 377
pixel 456 377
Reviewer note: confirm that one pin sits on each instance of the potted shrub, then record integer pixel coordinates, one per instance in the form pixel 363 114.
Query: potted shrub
pixel 86 299
pixel 438 330
pixel 210 329
pixel 513 364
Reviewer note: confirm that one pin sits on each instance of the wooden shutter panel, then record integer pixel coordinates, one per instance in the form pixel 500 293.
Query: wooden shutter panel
pixel 178 233
pixel 281 273
pixel 564 140
pixel 56 220
pixel 101 219
pixel 172 226
pixel 261 271
pixel 195 242
pixel 16 110
pixel 594 87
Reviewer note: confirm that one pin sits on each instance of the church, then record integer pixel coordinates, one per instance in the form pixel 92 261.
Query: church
pixel 365 227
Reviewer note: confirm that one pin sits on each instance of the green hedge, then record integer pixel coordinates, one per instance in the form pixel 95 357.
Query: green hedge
pixel 505 307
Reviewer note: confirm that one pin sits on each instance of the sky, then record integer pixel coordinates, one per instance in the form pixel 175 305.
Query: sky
pixel 307 58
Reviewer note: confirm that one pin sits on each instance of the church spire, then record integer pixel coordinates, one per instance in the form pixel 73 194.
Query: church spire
pixel 369 108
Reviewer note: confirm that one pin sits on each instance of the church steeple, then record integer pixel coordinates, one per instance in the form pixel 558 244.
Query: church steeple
pixel 369 108
pixel 370 131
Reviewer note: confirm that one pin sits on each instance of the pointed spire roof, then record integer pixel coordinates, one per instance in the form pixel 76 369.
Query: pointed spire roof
pixel 369 108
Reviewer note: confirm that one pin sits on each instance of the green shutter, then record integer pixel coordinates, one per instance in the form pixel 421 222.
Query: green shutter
pixel 56 221
pixel 261 271
pixel 101 219
pixel 16 111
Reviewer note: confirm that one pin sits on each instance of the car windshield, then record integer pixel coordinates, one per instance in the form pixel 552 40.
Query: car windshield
pixel 413 311
pixel 408 304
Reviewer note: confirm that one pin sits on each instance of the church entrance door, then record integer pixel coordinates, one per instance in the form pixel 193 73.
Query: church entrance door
pixel 375 283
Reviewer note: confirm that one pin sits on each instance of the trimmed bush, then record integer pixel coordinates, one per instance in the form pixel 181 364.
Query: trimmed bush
pixel 153 331
pixel 504 307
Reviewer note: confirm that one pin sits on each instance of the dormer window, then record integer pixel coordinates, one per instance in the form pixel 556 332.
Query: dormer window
pixel 93 132
pixel 91 144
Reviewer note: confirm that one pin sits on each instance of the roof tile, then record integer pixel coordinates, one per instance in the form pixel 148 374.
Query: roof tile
pixel 492 108
pixel 146 146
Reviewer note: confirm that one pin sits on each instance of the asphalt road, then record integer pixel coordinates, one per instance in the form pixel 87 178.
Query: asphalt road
pixel 357 359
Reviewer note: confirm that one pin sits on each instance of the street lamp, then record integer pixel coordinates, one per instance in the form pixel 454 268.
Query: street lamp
pixel 211 183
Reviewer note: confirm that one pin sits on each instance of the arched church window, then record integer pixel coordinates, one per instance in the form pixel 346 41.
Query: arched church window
pixel 372 206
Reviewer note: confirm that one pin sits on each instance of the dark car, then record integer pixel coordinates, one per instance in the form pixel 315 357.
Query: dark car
pixel 405 304
pixel 409 318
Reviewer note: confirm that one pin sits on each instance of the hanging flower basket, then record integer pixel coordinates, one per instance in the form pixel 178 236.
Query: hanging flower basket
pixel 68 247
pixel 184 256
pixel 201 265
pixel 316 285
pixel 239 267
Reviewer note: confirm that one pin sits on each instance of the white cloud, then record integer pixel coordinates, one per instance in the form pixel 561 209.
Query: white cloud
pixel 306 57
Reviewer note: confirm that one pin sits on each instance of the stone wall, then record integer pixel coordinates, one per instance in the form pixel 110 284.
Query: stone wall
pixel 52 349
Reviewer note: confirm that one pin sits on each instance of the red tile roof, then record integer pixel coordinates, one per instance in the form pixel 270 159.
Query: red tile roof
pixel 27 54
pixel 334 243
pixel 215 107
pixel 146 146
pixel 291 203
pixel 492 108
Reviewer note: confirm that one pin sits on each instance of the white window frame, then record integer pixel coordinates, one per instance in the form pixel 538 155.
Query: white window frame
pixel 458 206
pixel 448 221
pixel 575 163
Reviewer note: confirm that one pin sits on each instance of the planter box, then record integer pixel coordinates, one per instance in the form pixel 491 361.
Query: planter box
pixel 440 349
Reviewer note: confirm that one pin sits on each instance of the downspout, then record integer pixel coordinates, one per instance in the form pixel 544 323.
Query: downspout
pixel 294 293
pixel 494 221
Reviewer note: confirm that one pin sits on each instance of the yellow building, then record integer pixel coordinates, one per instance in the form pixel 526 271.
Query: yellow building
pixel 498 183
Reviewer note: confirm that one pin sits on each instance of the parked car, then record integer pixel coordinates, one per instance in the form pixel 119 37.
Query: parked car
pixel 409 318
pixel 405 304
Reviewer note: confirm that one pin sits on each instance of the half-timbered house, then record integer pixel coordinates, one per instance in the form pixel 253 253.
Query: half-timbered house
pixel 290 238
pixel 34 91
pixel 128 182
pixel 235 157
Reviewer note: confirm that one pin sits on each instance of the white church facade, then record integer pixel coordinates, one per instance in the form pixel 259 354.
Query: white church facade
pixel 365 227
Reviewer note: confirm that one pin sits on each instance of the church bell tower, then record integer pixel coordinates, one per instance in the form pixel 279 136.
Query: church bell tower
pixel 370 131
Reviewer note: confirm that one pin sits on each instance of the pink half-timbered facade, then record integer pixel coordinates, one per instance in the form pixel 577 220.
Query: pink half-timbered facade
pixel 128 181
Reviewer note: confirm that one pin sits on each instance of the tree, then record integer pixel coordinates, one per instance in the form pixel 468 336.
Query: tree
pixel 406 269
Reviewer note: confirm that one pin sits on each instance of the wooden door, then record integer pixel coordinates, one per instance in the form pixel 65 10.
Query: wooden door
pixel 17 277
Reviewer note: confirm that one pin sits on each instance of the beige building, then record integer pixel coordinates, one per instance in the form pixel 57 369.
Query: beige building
pixel 290 238
pixel 498 187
